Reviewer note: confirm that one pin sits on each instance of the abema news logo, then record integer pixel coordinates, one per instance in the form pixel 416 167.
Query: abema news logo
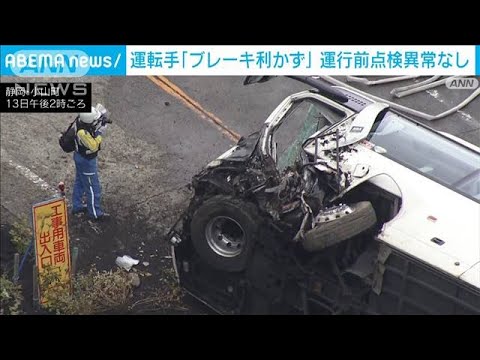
pixel 64 61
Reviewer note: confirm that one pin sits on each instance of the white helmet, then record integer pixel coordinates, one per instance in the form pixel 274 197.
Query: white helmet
pixel 88 118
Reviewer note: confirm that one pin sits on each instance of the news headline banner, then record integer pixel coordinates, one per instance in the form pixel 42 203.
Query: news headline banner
pixel 126 60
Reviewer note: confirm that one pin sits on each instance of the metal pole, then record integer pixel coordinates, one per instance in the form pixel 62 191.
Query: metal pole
pixel 365 81
pixel 400 94
pixel 35 287
pixel 24 257
pixel 459 106
pixel 74 260
pixel 412 86
pixel 16 261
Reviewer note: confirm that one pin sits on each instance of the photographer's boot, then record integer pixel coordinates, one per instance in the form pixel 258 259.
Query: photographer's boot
pixel 102 218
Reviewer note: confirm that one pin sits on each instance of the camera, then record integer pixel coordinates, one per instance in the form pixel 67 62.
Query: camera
pixel 104 118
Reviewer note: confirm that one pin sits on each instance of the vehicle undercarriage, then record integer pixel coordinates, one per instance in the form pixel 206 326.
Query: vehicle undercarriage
pixel 255 240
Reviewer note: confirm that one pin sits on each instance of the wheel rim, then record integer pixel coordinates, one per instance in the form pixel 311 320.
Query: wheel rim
pixel 225 236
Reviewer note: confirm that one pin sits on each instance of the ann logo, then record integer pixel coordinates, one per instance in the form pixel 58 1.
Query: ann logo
pixel 462 83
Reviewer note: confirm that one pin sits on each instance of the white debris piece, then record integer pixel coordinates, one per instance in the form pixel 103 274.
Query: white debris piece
pixel 146 263
pixel 126 262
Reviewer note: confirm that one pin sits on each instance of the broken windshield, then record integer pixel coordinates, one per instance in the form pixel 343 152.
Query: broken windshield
pixel 429 153
pixel 305 118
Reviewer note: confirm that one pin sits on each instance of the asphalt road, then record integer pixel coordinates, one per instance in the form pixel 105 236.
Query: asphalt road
pixel 158 116
pixel 155 113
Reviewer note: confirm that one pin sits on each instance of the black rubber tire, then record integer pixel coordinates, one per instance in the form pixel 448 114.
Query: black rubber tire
pixel 362 218
pixel 244 213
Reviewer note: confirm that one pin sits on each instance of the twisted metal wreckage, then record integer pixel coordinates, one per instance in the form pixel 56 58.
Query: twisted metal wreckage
pixel 360 217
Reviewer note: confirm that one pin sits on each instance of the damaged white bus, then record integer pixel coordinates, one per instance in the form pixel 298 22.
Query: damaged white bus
pixel 338 205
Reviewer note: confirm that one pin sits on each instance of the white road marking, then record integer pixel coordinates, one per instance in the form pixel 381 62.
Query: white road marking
pixel 436 96
pixel 29 174
pixel 465 115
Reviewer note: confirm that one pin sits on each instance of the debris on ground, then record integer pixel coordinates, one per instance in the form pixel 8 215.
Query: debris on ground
pixel 126 262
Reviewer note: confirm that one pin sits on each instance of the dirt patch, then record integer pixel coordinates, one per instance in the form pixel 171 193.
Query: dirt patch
pixel 99 244
pixel 137 191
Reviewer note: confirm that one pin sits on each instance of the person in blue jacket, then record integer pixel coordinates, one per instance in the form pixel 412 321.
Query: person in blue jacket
pixel 90 130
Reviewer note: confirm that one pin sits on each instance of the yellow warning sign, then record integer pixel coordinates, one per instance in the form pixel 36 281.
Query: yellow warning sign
pixel 52 247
